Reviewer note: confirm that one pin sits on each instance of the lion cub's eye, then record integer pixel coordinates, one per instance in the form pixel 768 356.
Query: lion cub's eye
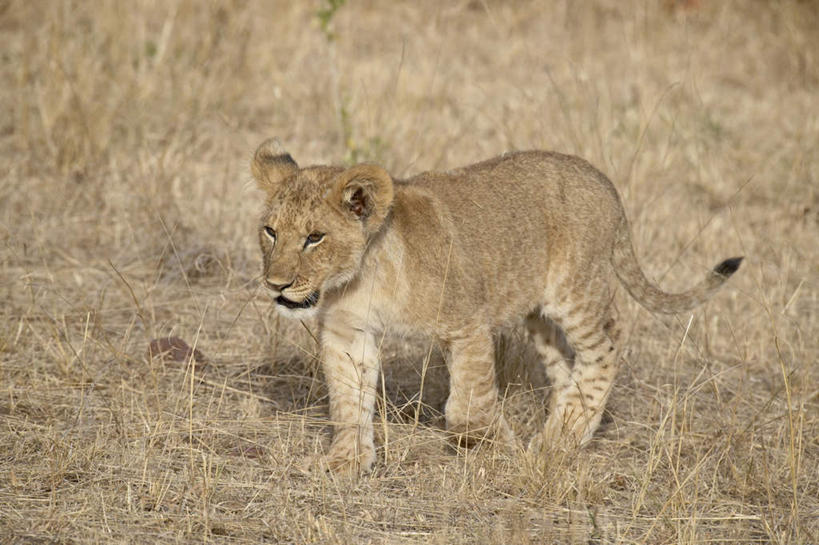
pixel 313 238
pixel 270 232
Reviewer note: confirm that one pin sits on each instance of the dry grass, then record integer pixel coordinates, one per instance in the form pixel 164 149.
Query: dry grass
pixel 127 214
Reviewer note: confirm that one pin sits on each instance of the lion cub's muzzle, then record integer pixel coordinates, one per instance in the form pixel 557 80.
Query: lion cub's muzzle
pixel 295 295
pixel 305 303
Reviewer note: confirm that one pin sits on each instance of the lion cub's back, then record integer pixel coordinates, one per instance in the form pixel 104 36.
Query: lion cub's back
pixel 518 198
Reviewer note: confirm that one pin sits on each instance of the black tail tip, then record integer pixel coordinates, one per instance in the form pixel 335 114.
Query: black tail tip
pixel 728 267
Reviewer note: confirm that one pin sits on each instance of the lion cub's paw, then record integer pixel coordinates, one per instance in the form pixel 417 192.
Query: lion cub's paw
pixel 562 433
pixel 341 461
pixel 499 434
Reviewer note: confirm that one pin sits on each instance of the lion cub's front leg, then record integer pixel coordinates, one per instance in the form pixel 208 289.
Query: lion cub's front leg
pixel 472 410
pixel 350 362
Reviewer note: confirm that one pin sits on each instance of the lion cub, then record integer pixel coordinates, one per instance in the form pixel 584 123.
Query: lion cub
pixel 528 235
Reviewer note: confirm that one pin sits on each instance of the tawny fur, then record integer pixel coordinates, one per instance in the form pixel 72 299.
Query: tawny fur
pixel 456 255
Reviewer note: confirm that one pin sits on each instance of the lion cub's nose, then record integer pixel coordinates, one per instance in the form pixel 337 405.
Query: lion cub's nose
pixel 277 286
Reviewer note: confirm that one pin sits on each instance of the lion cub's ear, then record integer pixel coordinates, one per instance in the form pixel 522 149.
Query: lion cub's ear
pixel 366 192
pixel 271 165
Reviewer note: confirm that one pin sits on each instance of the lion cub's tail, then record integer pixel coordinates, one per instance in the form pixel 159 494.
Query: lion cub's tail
pixel 653 298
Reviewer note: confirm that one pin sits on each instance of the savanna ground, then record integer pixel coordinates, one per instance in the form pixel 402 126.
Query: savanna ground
pixel 127 214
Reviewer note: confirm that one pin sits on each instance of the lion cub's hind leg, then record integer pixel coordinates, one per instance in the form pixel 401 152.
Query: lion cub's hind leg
pixel 472 409
pixel 553 348
pixel 579 395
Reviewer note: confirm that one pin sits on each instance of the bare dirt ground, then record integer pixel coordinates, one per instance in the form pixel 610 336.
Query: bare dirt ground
pixel 127 214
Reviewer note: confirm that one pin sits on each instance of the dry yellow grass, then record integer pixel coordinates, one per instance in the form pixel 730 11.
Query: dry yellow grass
pixel 127 213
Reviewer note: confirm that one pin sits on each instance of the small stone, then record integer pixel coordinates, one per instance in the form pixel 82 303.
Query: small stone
pixel 174 349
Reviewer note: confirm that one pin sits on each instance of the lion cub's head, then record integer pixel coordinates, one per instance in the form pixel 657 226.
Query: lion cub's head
pixel 316 224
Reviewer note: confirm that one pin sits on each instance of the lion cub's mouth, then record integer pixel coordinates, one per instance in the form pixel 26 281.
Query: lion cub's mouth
pixel 307 302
